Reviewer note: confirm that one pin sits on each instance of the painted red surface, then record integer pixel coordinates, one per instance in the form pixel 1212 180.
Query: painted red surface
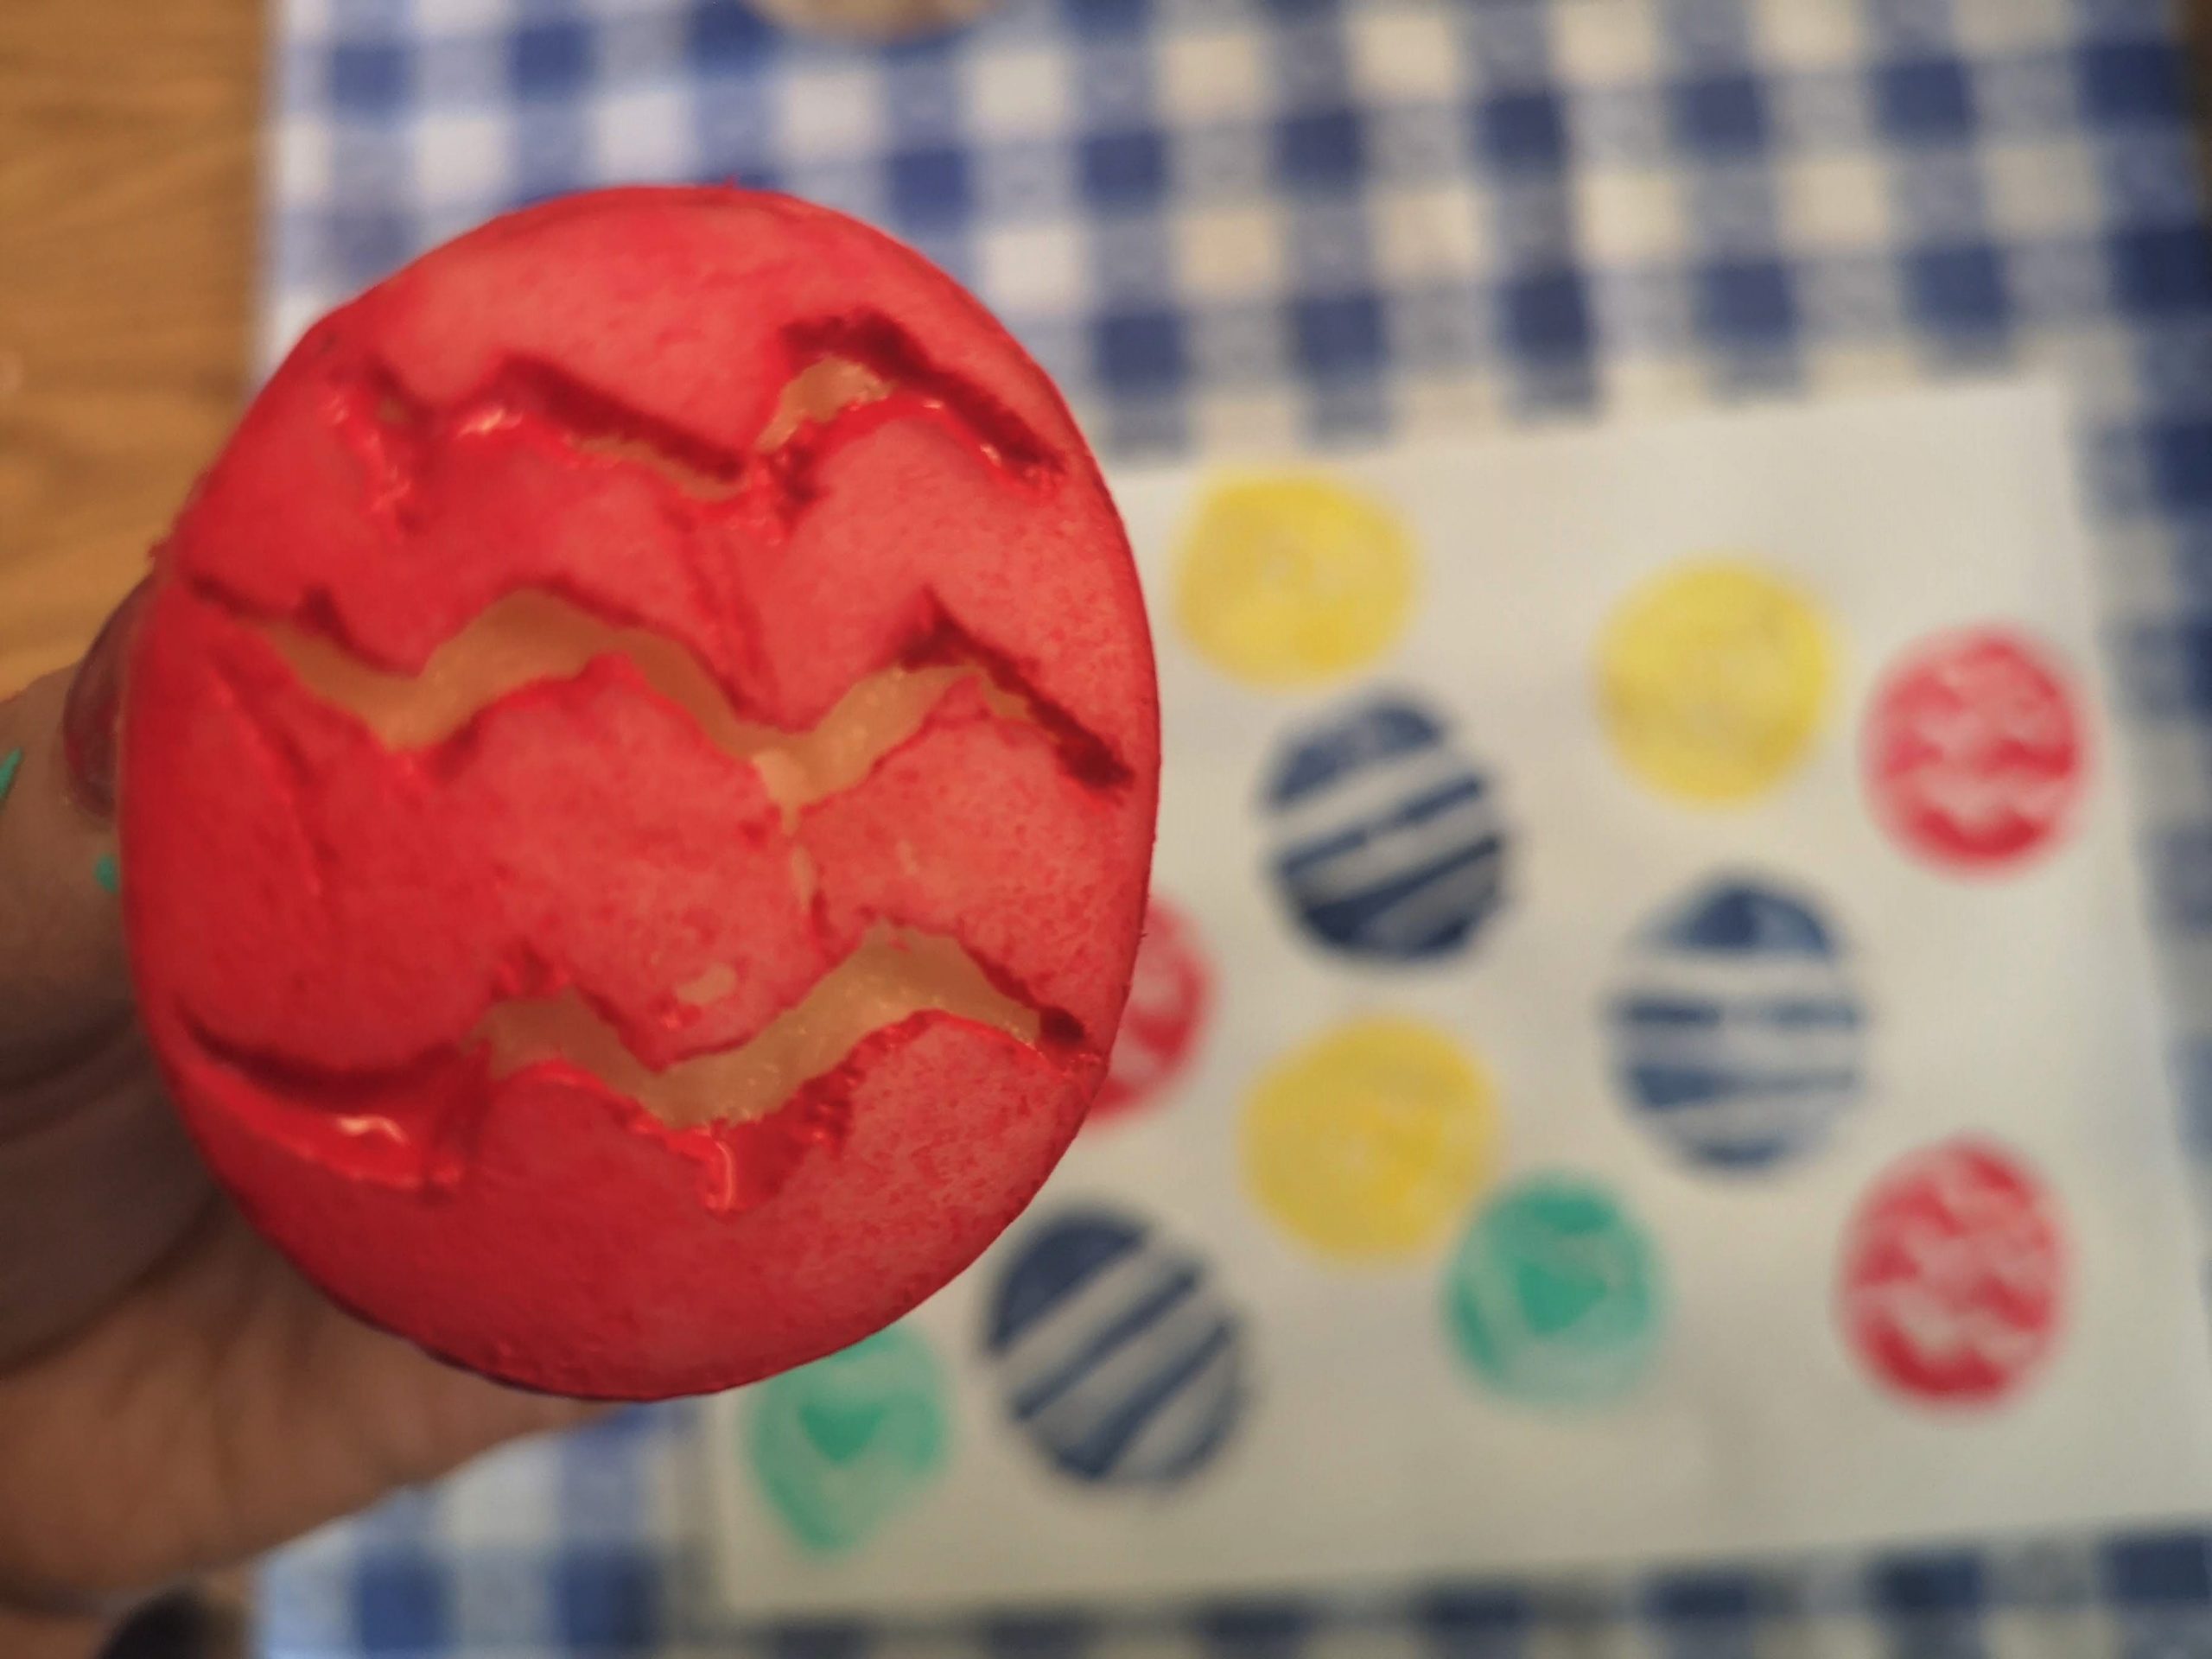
pixel 571 401
pixel 1170 997
pixel 1975 750
pixel 1953 1273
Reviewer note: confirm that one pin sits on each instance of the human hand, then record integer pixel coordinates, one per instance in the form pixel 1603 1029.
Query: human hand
pixel 173 1396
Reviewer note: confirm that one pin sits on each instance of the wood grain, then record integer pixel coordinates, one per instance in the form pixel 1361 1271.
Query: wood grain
pixel 128 133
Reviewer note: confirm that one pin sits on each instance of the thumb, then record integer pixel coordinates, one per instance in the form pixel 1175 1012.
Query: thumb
pixel 96 1178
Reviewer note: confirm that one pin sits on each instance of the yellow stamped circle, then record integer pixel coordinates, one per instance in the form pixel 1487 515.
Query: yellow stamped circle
pixel 1368 1144
pixel 1713 680
pixel 1292 580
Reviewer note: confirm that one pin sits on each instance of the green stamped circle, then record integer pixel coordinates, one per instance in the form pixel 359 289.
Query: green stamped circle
pixel 842 1445
pixel 1555 1295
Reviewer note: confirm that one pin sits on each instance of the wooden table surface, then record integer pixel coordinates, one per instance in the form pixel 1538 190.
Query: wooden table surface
pixel 127 143
pixel 128 133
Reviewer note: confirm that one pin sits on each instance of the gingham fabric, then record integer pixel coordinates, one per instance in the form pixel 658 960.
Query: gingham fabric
pixel 1230 225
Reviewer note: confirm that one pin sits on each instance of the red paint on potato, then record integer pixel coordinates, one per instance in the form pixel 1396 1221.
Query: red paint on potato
pixel 683 623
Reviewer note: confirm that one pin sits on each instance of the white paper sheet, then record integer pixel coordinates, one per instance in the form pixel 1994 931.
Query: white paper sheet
pixel 1361 1447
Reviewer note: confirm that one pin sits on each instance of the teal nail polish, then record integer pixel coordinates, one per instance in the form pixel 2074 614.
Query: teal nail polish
pixel 10 764
pixel 107 872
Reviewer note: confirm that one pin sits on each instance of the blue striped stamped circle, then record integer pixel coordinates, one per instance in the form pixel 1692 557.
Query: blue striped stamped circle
pixel 1115 1355
pixel 1387 840
pixel 1739 1036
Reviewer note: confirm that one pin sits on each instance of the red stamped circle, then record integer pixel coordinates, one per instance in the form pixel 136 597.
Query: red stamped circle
pixel 1169 999
pixel 1954 1273
pixel 1975 750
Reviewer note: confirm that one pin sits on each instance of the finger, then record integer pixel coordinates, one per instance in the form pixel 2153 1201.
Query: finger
pixel 98 1182
pixel 49 1636
pixel 96 1179
pixel 224 1406
pixel 63 988
pixel 62 983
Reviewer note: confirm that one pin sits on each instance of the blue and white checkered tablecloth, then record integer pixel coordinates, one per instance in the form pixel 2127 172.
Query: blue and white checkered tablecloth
pixel 1230 225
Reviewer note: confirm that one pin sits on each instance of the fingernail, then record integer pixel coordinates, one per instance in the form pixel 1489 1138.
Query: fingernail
pixel 90 716
pixel 179 1625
